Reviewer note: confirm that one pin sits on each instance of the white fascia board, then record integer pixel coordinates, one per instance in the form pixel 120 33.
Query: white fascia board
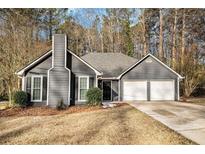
pixel 156 60
pixel 21 72
pixel 108 78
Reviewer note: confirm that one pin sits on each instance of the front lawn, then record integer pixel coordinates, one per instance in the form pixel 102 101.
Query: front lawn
pixel 120 125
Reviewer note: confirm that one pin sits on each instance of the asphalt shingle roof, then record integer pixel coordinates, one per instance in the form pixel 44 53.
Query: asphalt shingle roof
pixel 111 64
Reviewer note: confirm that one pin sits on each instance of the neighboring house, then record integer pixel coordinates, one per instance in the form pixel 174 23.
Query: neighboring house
pixel 59 75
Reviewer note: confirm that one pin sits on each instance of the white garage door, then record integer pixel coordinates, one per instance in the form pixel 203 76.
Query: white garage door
pixel 162 90
pixel 135 90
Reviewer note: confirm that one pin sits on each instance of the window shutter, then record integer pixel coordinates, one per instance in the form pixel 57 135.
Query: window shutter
pixel 44 95
pixel 76 88
pixel 91 82
pixel 28 85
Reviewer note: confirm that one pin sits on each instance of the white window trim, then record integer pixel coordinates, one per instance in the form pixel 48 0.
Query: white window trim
pixel 80 100
pixel 41 90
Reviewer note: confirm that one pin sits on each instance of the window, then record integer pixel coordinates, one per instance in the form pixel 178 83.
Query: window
pixel 36 89
pixel 36 86
pixel 83 87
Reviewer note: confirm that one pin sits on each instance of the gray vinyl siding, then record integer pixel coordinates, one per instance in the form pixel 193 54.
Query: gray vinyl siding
pixel 149 71
pixel 42 68
pixel 148 91
pixel 58 86
pixel 91 82
pixel 80 68
pixel 59 77
pixel 153 70
pixel 59 50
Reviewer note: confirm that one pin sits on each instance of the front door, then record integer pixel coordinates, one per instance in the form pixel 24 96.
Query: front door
pixel 106 90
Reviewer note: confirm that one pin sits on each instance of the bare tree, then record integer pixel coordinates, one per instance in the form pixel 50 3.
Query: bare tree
pixel 145 50
pixel 161 52
pixel 183 35
pixel 17 46
pixel 192 70
pixel 174 39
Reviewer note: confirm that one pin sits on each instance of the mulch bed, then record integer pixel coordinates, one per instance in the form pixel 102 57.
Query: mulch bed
pixel 47 111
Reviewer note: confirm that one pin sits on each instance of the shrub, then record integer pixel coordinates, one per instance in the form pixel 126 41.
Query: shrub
pixel 61 105
pixel 20 98
pixel 29 103
pixel 94 96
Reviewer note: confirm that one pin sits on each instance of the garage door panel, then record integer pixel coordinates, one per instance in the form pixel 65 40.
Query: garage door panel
pixel 162 90
pixel 135 90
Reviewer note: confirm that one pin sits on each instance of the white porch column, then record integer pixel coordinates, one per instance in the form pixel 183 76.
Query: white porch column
pixel 23 83
pixel 96 81
pixel 119 89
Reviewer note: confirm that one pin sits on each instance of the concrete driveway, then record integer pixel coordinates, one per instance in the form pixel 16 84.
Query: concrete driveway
pixel 186 119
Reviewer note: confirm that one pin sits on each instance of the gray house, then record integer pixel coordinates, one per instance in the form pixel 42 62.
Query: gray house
pixel 59 74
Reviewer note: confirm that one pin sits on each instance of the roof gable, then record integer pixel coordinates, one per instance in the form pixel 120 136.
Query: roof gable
pixel 156 59
pixel 45 56
pixel 34 63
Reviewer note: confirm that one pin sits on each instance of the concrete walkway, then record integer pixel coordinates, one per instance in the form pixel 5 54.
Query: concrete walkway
pixel 186 119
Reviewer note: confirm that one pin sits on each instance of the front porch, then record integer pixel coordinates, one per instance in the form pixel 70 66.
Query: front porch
pixel 109 89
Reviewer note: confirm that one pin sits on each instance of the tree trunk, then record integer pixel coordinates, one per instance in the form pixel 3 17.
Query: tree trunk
pixel 50 25
pixel 102 42
pixel 161 53
pixel 174 40
pixel 10 95
pixel 144 35
pixel 183 37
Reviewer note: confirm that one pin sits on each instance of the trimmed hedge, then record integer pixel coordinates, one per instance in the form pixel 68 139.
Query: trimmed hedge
pixel 21 98
pixel 94 96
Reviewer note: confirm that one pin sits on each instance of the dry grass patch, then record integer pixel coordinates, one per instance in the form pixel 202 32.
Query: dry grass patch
pixel 196 100
pixel 121 125
pixel 45 111
pixel 4 105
